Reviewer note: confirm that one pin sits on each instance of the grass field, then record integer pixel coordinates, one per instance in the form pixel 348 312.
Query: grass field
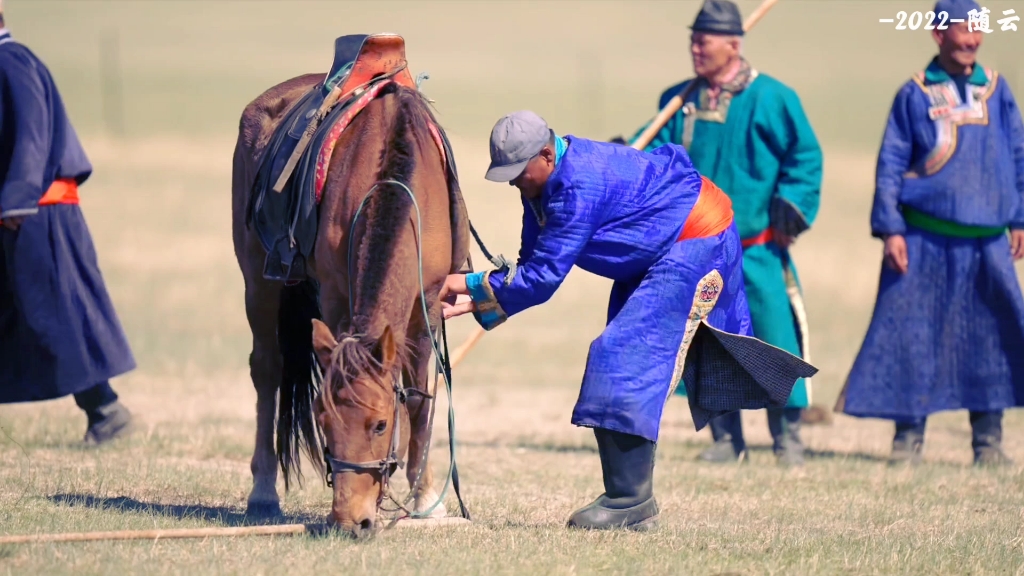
pixel 158 207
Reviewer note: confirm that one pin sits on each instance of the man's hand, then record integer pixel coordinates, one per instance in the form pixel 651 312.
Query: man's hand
pixel 451 305
pixel 454 284
pixel 463 305
pixel 1017 243
pixel 896 253
pixel 13 222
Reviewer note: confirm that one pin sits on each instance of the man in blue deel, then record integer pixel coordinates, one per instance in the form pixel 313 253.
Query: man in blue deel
pixel 947 331
pixel 677 311
pixel 59 334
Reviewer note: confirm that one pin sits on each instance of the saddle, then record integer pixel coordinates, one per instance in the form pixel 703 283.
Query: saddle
pixel 283 206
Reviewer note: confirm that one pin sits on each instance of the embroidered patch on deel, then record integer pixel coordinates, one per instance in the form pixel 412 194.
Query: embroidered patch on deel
pixel 706 294
pixel 709 288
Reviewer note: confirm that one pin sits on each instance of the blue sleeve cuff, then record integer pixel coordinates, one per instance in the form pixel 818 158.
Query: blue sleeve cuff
pixel 887 222
pixel 18 213
pixel 488 311
pixel 882 234
pixel 20 198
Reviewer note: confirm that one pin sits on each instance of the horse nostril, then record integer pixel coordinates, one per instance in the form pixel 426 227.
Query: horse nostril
pixel 366 525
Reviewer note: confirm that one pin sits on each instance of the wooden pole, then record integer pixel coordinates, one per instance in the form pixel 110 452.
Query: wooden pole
pixel 282 529
pixel 459 353
pixel 676 102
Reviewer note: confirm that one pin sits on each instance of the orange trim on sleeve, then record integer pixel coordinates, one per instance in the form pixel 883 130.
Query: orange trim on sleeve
pixel 711 215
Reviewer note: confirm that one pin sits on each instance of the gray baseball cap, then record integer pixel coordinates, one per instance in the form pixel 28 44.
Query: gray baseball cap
pixel 515 139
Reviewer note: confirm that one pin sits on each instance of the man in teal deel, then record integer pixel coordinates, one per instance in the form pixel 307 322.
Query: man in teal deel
pixel 748 133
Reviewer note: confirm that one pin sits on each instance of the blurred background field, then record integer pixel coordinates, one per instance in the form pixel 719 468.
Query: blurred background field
pixel 155 89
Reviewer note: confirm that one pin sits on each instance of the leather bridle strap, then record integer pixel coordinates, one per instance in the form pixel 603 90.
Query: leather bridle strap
pixel 386 466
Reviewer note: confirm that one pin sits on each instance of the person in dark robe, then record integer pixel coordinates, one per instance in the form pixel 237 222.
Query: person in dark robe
pixel 59 334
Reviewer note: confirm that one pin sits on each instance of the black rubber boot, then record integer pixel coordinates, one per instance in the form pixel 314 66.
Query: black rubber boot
pixel 729 446
pixel 784 425
pixel 107 417
pixel 627 463
pixel 987 439
pixel 907 443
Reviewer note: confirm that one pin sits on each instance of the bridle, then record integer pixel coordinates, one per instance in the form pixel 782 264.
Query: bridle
pixel 386 466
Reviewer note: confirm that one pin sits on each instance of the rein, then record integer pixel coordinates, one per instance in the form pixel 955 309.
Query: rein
pixel 387 466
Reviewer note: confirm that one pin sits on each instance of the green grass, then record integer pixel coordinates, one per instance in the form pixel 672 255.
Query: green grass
pixel 158 207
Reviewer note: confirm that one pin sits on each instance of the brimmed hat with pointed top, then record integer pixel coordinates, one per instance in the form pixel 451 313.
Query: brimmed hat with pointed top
pixel 719 17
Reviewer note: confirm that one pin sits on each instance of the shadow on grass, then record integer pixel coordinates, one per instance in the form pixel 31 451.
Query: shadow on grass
pixel 219 514
pixel 812 455
pixel 686 445
pixel 926 462
pixel 553 447
pixel 833 455
pixel 682 452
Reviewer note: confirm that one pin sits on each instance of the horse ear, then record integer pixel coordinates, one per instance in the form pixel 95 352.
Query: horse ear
pixel 323 343
pixel 385 351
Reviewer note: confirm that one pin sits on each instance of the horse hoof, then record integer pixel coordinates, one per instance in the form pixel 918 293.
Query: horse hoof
pixel 263 510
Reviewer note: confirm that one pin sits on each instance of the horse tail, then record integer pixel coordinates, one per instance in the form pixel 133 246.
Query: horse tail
pixel 297 429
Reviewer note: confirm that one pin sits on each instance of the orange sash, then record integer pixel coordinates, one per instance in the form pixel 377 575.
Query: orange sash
pixel 762 238
pixel 711 215
pixel 63 191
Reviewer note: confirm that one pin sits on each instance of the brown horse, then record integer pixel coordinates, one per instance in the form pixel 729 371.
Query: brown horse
pixel 373 329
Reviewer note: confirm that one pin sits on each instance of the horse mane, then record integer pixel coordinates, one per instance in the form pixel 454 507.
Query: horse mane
pixel 389 208
pixel 353 358
pixel 385 213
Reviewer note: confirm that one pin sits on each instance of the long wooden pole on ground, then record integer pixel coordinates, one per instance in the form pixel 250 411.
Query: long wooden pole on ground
pixel 642 141
pixel 282 529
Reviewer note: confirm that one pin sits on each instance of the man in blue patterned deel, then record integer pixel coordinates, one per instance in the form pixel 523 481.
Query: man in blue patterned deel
pixel 677 310
pixel 947 331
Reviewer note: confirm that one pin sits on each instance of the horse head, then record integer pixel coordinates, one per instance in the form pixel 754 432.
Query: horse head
pixel 365 425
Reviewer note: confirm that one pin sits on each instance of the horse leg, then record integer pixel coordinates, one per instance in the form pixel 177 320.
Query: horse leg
pixel 419 419
pixel 265 367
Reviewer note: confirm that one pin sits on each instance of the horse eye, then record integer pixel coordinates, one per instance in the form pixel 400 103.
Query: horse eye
pixel 380 427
